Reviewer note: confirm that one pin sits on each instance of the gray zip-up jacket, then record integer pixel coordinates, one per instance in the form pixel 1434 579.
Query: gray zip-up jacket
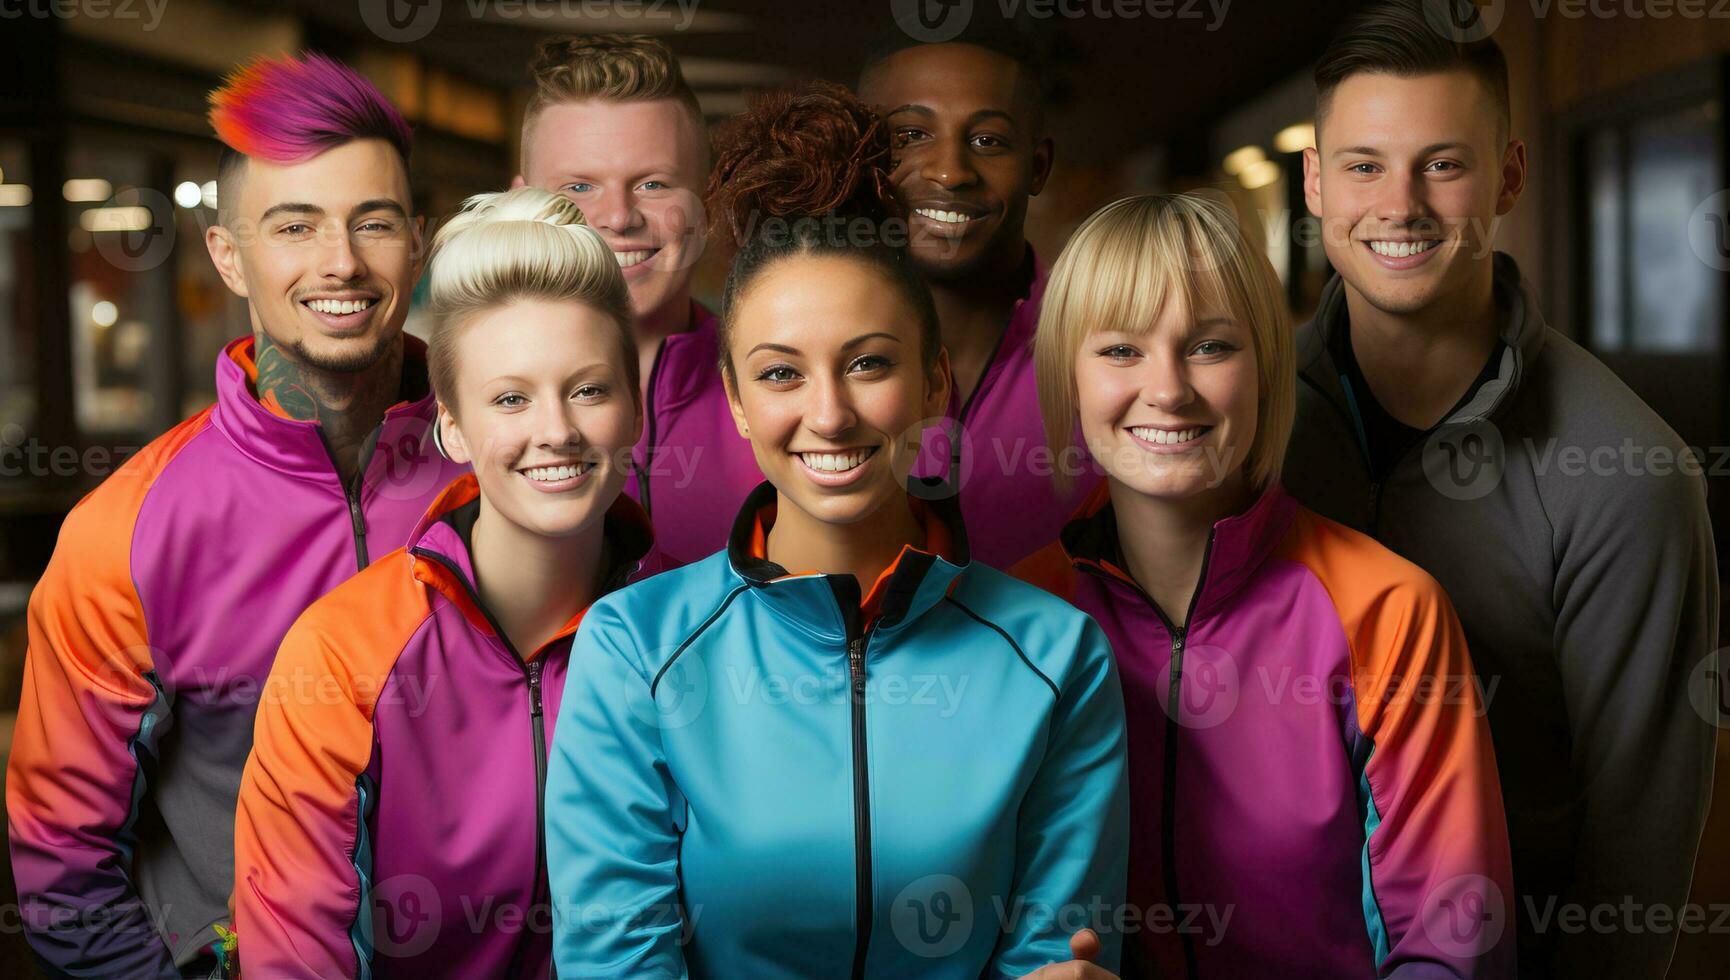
pixel 1570 530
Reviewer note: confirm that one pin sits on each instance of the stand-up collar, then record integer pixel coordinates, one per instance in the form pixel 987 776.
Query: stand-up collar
pixel 1236 548
pixel 834 607
pixel 395 452
pixel 1523 333
pixel 442 549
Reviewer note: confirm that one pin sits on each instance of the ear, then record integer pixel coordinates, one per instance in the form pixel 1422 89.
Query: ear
pixel 517 181
pixel 937 385
pixel 225 255
pixel 1513 176
pixel 417 228
pixel 1313 180
pixel 1043 156
pixel 734 405
pixel 456 447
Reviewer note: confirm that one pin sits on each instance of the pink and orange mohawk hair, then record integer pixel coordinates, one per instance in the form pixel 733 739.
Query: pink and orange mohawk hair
pixel 285 109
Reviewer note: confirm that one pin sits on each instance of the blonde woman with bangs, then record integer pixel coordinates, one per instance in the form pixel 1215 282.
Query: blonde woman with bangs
pixel 413 778
pixel 1313 791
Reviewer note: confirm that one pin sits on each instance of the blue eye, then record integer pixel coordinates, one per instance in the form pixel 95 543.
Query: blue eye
pixel 1212 348
pixel 1119 352
pixel 510 399
pixel 591 392
pixel 580 187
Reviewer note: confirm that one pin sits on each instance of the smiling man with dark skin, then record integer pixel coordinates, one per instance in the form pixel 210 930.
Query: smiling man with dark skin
pixel 1440 414
pixel 966 121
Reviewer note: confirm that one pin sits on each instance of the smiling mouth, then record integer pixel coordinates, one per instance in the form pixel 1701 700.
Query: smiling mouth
pixel 340 307
pixel 837 463
pixel 1401 250
pixel 634 257
pixel 957 219
pixel 558 474
pixel 1169 437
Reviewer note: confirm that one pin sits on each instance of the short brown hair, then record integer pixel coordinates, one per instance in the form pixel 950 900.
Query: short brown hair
pixel 614 67
pixel 1406 38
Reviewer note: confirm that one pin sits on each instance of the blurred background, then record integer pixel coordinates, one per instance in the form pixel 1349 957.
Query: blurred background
pixel 111 314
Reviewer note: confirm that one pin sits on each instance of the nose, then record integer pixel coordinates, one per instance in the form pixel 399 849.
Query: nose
pixel 555 425
pixel 1166 385
pixel 338 258
pixel 947 164
pixel 830 413
pixel 614 209
pixel 1400 198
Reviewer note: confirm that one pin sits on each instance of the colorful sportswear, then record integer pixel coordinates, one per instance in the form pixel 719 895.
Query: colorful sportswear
pixel 1322 801
pixel 692 469
pixel 929 782
pixel 151 634
pixel 1569 525
pixel 1001 462
pixel 390 826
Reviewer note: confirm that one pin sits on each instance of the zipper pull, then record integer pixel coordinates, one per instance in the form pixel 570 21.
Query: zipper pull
pixel 856 663
pixel 535 688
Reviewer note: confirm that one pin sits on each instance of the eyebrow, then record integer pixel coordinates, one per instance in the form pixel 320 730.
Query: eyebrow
pixel 376 204
pixel 1370 151
pixel 849 345
pixel 974 118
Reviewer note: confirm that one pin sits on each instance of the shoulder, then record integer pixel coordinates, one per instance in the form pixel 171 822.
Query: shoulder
pixel 1365 580
pixel 1596 451
pixel 1048 569
pixel 649 621
pixel 1055 639
pixel 356 632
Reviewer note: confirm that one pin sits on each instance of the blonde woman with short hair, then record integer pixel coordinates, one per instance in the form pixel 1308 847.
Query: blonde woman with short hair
pixel 399 761
pixel 1313 791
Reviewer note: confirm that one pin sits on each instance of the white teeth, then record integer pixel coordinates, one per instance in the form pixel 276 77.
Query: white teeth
pixel 628 259
pixel 340 306
pixel 1401 250
pixel 1166 438
pixel 835 462
pixel 553 474
pixel 949 217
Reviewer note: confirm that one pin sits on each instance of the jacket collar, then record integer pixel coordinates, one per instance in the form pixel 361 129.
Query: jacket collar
pixel 686 366
pixel 441 551
pixel 399 446
pixel 1523 333
pixel 1237 545
pixel 834 607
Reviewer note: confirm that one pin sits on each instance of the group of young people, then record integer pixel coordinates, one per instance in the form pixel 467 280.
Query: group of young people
pixel 605 635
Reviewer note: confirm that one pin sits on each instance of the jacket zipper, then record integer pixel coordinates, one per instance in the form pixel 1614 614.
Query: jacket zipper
pixel 1168 764
pixel 861 803
pixel 649 443
pixel 351 492
pixel 532 674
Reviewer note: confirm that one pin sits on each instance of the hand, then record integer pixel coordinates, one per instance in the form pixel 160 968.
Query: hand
pixel 1085 947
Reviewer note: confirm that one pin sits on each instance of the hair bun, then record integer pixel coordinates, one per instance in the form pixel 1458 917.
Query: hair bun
pixel 807 152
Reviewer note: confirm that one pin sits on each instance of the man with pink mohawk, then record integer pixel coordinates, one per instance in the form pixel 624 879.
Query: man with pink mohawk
pixel 153 630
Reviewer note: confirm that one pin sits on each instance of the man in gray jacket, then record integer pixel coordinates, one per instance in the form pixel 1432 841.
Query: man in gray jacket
pixel 1438 413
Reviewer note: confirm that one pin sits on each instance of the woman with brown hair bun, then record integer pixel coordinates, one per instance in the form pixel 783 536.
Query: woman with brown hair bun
pixel 837 747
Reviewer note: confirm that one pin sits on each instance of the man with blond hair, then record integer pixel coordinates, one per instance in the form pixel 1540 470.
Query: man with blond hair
pixel 613 126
